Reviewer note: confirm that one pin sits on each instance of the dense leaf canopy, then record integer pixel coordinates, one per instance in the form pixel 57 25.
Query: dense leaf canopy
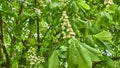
pixel 60 33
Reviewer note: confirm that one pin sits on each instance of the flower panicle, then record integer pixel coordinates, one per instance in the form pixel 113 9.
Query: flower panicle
pixel 67 30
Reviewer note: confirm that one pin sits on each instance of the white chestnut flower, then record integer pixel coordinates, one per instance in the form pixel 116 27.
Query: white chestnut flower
pixel 66 26
pixel 63 33
pixel 66 17
pixel 69 25
pixel 67 30
pixel 68 36
pixel 64 20
pixel 64 12
pixel 70 30
pixel 32 63
pixel 42 59
pixel 63 27
pixel 64 37
pixel 63 15
pixel 72 33
pixel 108 2
pixel 64 23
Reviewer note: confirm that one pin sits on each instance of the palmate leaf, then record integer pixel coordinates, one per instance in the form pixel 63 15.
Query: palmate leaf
pixel 85 58
pixel 54 60
pixel 77 56
pixel 72 57
pixel 81 55
pixel 95 54
pixel 104 39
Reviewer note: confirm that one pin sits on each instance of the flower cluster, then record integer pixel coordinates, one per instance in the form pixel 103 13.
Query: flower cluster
pixel 67 30
pixel 36 59
pixel 33 58
pixel 108 2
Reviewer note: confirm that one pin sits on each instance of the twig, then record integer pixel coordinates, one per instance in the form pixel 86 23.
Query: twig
pixel 20 12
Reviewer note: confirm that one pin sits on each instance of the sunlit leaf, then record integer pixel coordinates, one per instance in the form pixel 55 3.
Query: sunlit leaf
pixel 85 6
pixel 78 53
pixel 104 35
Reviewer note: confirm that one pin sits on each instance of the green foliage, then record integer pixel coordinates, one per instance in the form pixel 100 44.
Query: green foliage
pixel 60 33
pixel 54 60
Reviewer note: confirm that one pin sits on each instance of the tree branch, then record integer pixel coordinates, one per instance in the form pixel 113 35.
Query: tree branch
pixel 21 8
pixel 8 64
pixel 38 27
pixel 20 11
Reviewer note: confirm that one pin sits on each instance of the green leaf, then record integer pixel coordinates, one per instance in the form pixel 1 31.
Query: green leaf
pixel 109 63
pixel 54 5
pixel 1 7
pixel 104 35
pixel 84 5
pixel 112 8
pixel 95 54
pixel 75 8
pixel 79 51
pixel 62 52
pixel 72 56
pixel 63 48
pixel 90 41
pixel 102 19
pixel 15 65
pixel 93 50
pixel 54 60
pixel 107 45
pixel 96 1
pixel 86 61
pixel 117 1
pixel 80 23
pixel 78 54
